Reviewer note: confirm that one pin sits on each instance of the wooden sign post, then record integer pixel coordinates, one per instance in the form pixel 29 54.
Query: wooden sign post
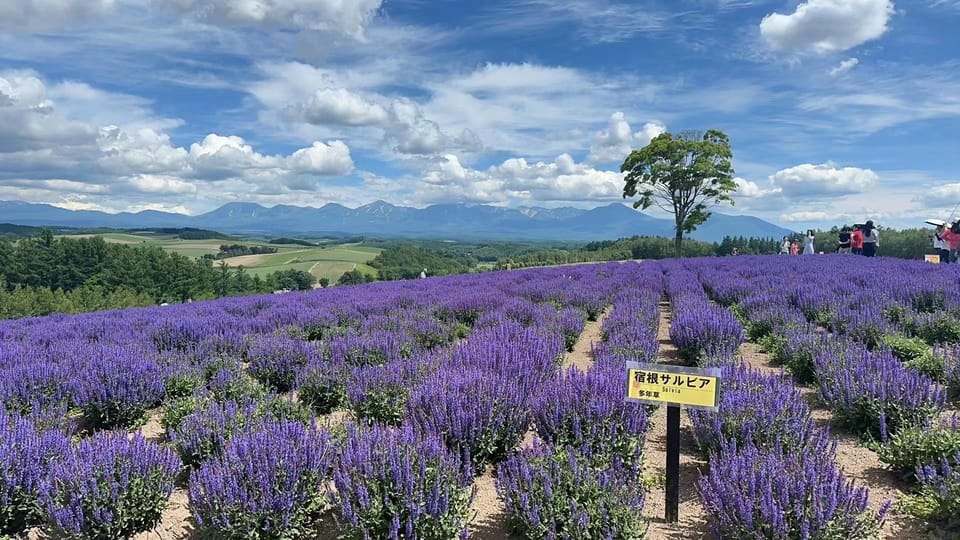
pixel 656 384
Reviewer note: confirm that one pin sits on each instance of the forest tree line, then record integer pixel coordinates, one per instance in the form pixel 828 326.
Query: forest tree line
pixel 44 274
pixel 408 261
pixel 902 244
pixel 640 247
pixel 238 250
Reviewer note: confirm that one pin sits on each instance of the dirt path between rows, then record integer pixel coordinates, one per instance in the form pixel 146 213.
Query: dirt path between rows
pixel 693 518
pixel 489 518
pixel 858 462
pixel 581 356
pixel 175 522
pixel 752 355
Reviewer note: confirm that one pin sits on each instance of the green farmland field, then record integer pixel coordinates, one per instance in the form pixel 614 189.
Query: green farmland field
pixel 329 262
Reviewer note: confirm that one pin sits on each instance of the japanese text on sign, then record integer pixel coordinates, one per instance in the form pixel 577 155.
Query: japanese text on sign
pixel 671 384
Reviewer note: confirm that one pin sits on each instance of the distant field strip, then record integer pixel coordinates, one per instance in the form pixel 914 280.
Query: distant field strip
pixel 190 248
pixel 323 262
pixel 330 263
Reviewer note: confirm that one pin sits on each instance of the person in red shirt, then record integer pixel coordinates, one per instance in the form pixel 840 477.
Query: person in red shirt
pixel 856 240
pixel 794 248
pixel 951 235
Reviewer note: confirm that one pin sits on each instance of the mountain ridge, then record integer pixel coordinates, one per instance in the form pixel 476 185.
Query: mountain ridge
pixel 380 218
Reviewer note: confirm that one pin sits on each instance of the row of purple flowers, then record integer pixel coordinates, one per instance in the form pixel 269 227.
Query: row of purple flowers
pixel 772 471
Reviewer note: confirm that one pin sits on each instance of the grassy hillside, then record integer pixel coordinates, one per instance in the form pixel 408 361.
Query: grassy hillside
pixel 323 262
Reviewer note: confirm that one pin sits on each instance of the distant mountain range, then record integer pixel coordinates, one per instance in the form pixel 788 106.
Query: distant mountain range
pixel 382 219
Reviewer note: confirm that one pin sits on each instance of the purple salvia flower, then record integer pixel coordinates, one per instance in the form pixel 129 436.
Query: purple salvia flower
pixel 109 486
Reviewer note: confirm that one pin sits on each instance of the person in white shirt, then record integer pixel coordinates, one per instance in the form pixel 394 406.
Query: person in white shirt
pixel 808 243
pixel 785 246
pixel 941 245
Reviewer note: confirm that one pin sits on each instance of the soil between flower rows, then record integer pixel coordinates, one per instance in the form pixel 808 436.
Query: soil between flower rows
pixel 692 523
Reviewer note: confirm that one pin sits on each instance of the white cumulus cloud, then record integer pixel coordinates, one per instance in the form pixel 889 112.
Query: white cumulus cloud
pixel 939 196
pixel 517 180
pixel 525 109
pixel 808 180
pixel 218 156
pixel 48 154
pixel 338 106
pixel 404 126
pixel 827 25
pixel 322 158
pixel 139 151
pixel 616 142
pixel 148 183
pixel 751 190
pixel 28 119
pixel 411 132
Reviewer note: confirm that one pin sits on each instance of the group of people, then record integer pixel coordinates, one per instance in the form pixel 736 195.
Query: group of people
pixel 792 247
pixel 859 239
pixel 946 240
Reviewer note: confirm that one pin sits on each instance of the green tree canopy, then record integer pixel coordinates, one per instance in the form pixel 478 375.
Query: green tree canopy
pixel 681 174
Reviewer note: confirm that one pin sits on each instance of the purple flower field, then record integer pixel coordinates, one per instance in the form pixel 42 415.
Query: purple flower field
pixel 371 411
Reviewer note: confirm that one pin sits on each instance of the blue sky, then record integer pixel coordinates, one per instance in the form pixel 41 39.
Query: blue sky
pixel 838 110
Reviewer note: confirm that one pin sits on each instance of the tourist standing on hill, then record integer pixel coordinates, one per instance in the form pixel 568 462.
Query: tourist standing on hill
pixel 941 243
pixel 843 240
pixel 871 239
pixel 808 243
pixel 785 246
pixel 794 248
pixel 856 241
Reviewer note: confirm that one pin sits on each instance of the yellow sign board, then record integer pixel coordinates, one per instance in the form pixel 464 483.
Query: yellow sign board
pixel 656 383
pixel 935 259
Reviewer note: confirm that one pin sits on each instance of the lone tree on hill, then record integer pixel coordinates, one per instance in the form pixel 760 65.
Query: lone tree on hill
pixel 682 174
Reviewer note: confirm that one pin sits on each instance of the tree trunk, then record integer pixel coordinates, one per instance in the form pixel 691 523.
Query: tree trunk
pixel 678 242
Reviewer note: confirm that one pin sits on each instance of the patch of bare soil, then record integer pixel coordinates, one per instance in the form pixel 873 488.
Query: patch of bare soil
pixel 753 356
pixel 152 430
pixel 692 522
pixel 488 516
pixel 176 522
pixel 668 352
pixel 582 354
pixel 335 419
